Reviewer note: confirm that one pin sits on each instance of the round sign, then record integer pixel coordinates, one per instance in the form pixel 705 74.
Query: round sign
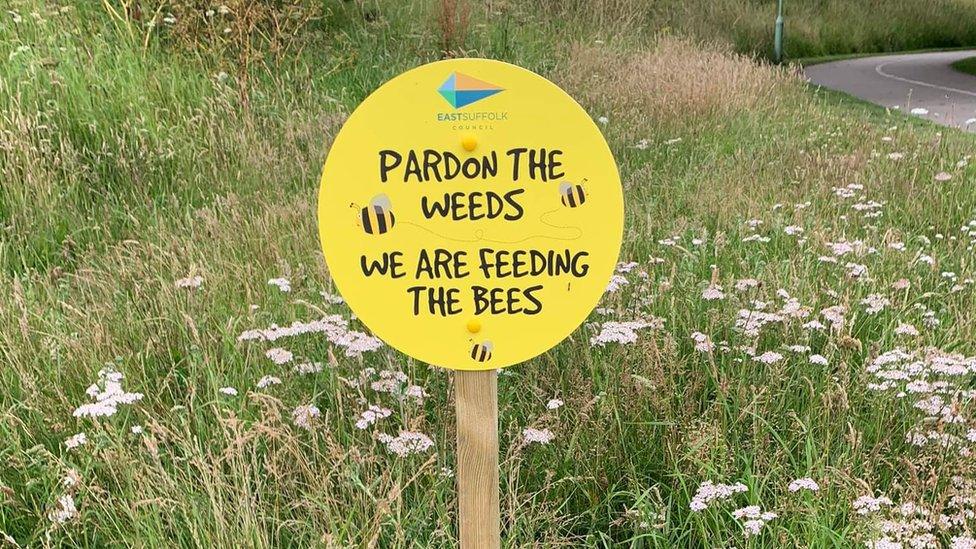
pixel 470 213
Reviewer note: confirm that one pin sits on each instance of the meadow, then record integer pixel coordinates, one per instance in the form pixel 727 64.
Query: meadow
pixel 785 357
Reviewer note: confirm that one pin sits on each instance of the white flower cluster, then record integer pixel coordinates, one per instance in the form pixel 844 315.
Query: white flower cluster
pixel 335 328
pixel 875 303
pixel 268 381
pixel 613 331
pixel 76 441
pixel 703 344
pixel 303 416
pixel 190 282
pixel 64 511
pixel 281 283
pixel 709 492
pixel 279 356
pixel 755 519
pixel 538 436
pixel 867 504
pixel 805 483
pixel 408 442
pixel 107 394
pixel 713 293
pixel 616 283
pixel 371 415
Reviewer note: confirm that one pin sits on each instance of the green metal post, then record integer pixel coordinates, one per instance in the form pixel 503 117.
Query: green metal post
pixel 778 38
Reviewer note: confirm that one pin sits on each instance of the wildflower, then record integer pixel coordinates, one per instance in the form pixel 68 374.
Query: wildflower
pixel 136 430
pixel 64 511
pixel 703 344
pixel 71 479
pixel 622 332
pixel 372 415
pixel 756 519
pixel 745 284
pixel 834 315
pixel 709 492
pixel 191 283
pixel 107 394
pixel 866 504
pixel 906 329
pixel 76 441
pixel 875 303
pixel 901 284
pixel 769 357
pixel 279 356
pixel 805 483
pixel 819 360
pixel 793 230
pixel 627 267
pixel 389 382
pixel 616 282
pixel 713 292
pixel 335 328
pixel 895 156
pixel 229 391
pixel 282 283
pixel 268 381
pixel 415 392
pixel 603 120
pixel 540 436
pixel 306 368
pixel 943 176
pixel 303 416
pixel 856 270
pixel 919 111
pixel 554 404
pixel 813 325
pixel 408 442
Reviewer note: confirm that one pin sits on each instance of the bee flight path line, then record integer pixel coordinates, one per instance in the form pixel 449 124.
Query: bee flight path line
pixel 432 225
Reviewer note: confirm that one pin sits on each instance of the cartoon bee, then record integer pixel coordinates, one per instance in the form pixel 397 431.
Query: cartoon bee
pixel 377 218
pixel 572 194
pixel 482 351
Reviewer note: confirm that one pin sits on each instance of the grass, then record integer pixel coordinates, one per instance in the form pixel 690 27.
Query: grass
pixel 967 65
pixel 129 164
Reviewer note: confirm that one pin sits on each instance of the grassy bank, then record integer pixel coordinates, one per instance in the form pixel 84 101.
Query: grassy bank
pixel 967 66
pixel 785 245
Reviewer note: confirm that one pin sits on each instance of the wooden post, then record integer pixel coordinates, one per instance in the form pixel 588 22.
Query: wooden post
pixel 476 395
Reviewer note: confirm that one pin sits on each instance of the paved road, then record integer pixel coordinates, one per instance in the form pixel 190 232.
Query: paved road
pixel 921 83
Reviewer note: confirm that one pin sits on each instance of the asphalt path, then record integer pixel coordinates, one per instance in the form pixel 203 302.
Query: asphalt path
pixel 923 84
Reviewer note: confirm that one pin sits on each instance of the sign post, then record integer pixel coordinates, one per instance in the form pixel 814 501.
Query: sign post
pixel 476 395
pixel 471 216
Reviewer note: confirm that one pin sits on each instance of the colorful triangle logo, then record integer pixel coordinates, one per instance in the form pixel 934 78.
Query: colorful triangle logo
pixel 460 90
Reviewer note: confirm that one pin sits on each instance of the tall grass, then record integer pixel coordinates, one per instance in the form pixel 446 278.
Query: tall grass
pixel 813 27
pixel 126 168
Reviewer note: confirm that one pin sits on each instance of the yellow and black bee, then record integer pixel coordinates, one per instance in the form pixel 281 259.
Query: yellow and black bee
pixel 377 218
pixel 482 351
pixel 572 194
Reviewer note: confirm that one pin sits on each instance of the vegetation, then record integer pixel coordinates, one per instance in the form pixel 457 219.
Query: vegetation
pixel 785 244
pixel 967 65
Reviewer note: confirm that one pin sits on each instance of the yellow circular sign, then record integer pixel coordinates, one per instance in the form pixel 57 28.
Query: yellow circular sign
pixel 470 213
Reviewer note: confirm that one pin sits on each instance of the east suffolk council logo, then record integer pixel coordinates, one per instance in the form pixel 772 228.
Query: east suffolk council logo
pixel 461 90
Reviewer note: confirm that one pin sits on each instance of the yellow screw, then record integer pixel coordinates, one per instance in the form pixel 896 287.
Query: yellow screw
pixel 474 326
pixel 469 143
